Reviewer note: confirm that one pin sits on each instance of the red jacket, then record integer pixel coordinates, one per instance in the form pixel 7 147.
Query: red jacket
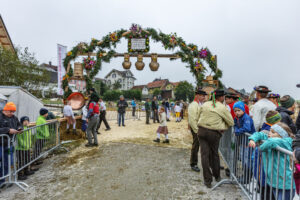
pixel 232 111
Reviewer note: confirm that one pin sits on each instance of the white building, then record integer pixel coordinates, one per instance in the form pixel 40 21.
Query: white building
pixel 125 78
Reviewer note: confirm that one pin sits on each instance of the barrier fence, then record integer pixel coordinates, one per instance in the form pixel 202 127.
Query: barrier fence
pixel 265 172
pixel 26 148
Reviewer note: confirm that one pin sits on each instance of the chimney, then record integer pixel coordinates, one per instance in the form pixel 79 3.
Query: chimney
pixel 50 63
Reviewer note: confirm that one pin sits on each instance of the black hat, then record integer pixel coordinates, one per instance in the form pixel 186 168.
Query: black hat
pixel 298 85
pixel 93 90
pixel 219 92
pixel 231 95
pixel 24 118
pixel 43 111
pixel 262 89
pixel 200 91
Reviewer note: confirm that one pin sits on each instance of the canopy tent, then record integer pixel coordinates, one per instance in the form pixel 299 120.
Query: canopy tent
pixel 27 104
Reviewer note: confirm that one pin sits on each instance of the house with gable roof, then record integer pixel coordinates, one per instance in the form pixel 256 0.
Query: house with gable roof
pixel 125 78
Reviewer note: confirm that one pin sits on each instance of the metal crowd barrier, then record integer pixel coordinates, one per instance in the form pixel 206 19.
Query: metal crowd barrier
pixel 6 159
pixel 258 176
pixel 27 148
pixel 112 114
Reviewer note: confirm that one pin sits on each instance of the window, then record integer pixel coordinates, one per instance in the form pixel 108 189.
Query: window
pixel 113 75
pixel 108 82
pixel 120 80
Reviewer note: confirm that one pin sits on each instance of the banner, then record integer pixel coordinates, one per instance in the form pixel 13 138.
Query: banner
pixel 61 54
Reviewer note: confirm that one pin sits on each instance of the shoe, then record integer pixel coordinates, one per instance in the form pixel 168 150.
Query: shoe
pixel 123 125
pixel 218 179
pixel 39 162
pixel 34 169
pixel 89 145
pixel 195 168
pixel 98 133
pixel 157 140
pixel 166 141
pixel 68 131
pixel 95 145
pixel 107 129
pixel 208 185
pixel 28 173
pixel 22 177
pixel 2 186
pixel 227 172
pixel 222 168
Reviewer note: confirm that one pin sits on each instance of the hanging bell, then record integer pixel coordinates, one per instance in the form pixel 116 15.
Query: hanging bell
pixel 140 64
pixel 126 64
pixel 154 65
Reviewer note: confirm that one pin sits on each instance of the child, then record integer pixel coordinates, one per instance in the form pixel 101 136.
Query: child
pixel 24 144
pixel 84 117
pixel 68 113
pixel 177 110
pixel 272 117
pixel 243 123
pixel 279 135
pixel 162 129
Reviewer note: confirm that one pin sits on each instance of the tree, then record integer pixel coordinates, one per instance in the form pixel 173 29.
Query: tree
pixel 131 94
pixel 112 95
pixel 117 85
pixel 156 92
pixel 21 69
pixel 100 87
pixel 184 91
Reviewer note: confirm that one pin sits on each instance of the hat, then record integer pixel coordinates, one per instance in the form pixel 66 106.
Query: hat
pixel 278 129
pixel 262 89
pixel 10 106
pixel 93 90
pixel 272 95
pixel 287 101
pixel 297 154
pixel 298 85
pixel 273 117
pixel 200 91
pixel 43 111
pixel 231 95
pixel 94 97
pixel 24 118
pixel 240 105
pixel 219 92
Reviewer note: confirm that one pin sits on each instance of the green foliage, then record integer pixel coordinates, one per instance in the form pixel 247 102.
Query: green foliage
pixel 188 53
pixel 112 95
pixel 21 69
pixel 100 87
pixel 131 94
pixel 117 85
pixel 184 90
pixel 156 92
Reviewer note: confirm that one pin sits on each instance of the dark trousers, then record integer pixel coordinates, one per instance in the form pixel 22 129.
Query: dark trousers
pixel 121 117
pixel 147 116
pixel 23 157
pixel 155 116
pixel 102 117
pixel 4 161
pixel 38 147
pixel 195 149
pixel 209 144
pixel 181 114
pixel 133 111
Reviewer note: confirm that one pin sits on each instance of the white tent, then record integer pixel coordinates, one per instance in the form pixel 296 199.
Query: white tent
pixel 27 104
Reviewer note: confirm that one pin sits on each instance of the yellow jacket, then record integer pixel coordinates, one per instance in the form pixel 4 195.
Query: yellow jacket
pixel 215 118
pixel 193 116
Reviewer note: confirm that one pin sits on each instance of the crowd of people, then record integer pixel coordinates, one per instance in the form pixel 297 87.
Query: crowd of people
pixel 28 145
pixel 267 119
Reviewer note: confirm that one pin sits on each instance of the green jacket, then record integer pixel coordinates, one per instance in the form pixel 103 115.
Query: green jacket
pixel 266 148
pixel 147 106
pixel 24 140
pixel 42 131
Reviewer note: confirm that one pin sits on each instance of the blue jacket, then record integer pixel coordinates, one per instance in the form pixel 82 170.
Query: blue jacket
pixel 243 125
pixel 265 126
pixel 266 148
pixel 133 104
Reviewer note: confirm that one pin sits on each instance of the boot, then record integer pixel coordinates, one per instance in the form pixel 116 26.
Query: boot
pixel 28 173
pixel 166 141
pixel 22 177
pixel 68 131
pixel 157 140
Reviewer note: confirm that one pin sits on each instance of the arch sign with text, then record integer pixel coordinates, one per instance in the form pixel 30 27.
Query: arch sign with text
pixel 98 51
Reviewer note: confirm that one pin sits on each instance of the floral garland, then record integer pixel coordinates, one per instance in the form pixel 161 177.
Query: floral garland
pixel 188 53
pixel 88 63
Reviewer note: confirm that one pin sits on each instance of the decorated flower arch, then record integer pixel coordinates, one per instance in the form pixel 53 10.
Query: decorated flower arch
pixel 98 51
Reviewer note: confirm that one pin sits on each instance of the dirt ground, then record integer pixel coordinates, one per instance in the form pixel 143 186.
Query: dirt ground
pixel 127 165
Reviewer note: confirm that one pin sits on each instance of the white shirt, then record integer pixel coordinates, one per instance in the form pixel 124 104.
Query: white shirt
pixel 68 112
pixel 102 106
pixel 177 109
pixel 163 119
pixel 259 112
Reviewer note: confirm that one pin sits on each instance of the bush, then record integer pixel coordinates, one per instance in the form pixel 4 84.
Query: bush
pixel 184 91
pixel 131 94
pixel 112 95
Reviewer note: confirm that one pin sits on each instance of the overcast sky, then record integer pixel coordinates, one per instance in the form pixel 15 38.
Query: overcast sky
pixel 257 41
